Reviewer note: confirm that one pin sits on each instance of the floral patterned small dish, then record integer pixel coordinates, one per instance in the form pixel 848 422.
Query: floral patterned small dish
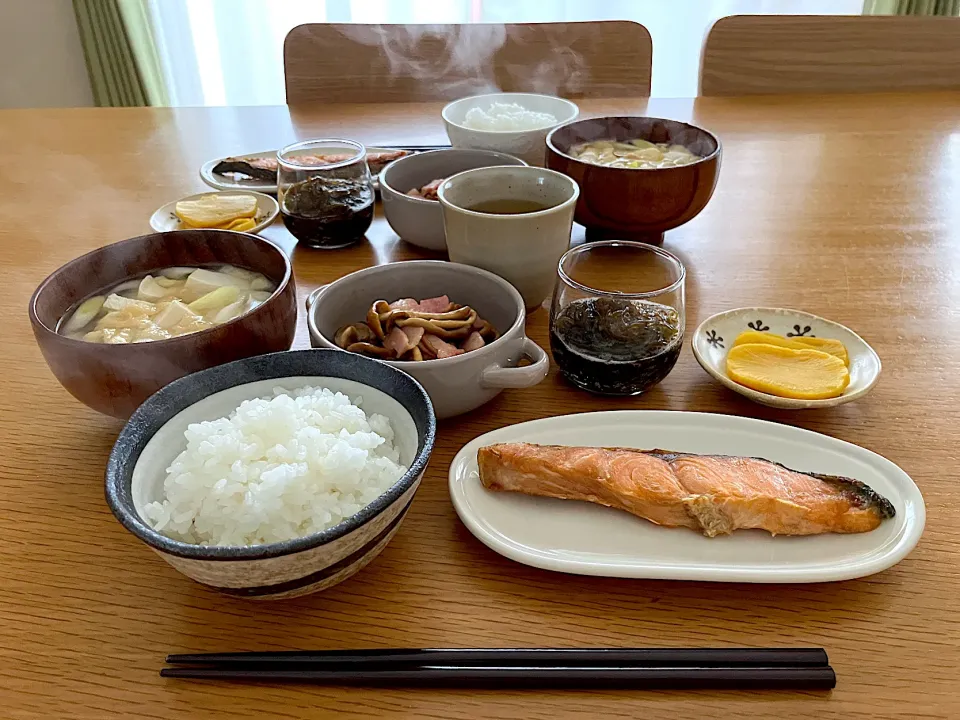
pixel 165 219
pixel 716 334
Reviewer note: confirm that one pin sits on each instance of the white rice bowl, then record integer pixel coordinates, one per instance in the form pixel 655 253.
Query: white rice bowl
pixel 277 468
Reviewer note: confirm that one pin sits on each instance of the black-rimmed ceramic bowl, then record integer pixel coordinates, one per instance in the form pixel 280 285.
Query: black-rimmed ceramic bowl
pixel 153 437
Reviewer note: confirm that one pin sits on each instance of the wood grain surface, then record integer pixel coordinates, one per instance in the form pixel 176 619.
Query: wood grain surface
pixel 766 54
pixel 421 63
pixel 844 206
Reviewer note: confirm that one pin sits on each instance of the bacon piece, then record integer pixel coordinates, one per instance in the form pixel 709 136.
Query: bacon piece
pixel 435 305
pixel 428 191
pixel 414 336
pixel 475 341
pixel 401 340
pixel 441 348
pixel 396 342
pixel 405 304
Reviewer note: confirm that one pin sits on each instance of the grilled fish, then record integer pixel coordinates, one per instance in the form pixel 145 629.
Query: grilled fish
pixel 265 168
pixel 714 494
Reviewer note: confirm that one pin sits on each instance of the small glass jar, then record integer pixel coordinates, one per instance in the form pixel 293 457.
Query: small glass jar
pixel 325 192
pixel 617 319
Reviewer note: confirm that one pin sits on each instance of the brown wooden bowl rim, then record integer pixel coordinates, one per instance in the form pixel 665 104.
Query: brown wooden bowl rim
pixel 715 154
pixel 281 286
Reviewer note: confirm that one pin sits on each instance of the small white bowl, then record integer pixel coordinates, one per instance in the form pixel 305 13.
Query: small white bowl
pixel 165 219
pixel 528 145
pixel 713 339
pixel 417 220
pixel 456 385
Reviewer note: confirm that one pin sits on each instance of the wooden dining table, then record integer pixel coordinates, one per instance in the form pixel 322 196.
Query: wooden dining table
pixel 843 206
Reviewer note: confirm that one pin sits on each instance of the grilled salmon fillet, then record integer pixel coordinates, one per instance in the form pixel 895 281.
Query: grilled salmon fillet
pixel 713 494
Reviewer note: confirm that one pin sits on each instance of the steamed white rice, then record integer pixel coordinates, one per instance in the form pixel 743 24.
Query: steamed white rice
pixel 277 468
pixel 507 116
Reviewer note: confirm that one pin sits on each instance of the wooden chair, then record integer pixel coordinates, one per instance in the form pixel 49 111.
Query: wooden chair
pixel 764 54
pixel 421 63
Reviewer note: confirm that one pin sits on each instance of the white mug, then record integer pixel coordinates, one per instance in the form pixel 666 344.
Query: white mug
pixel 522 248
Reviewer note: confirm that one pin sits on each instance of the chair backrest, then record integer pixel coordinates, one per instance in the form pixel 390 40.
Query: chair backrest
pixel 421 63
pixel 778 54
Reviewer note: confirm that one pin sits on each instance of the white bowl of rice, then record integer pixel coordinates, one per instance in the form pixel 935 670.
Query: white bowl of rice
pixel 512 123
pixel 274 476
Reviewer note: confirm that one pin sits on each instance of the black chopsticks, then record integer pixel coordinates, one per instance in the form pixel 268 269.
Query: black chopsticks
pixel 411 148
pixel 629 668
pixel 605 657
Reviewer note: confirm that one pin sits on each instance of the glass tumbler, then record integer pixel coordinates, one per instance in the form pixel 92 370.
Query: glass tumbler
pixel 617 319
pixel 325 192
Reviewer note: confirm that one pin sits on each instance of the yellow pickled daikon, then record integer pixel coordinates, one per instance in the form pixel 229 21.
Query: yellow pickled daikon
pixel 827 345
pixel 800 374
pixel 218 210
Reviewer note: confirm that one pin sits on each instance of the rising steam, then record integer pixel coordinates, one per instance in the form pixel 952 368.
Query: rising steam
pixel 458 60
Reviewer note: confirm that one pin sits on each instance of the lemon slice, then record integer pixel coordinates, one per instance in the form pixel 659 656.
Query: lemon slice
pixel 216 210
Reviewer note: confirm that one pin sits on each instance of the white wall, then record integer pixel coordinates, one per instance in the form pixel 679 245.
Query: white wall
pixel 41 61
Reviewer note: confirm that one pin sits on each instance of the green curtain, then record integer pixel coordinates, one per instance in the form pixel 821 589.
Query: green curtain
pixel 911 7
pixel 121 53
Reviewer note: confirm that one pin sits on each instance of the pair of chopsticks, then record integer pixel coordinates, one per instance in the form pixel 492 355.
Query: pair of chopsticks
pixel 411 148
pixel 626 668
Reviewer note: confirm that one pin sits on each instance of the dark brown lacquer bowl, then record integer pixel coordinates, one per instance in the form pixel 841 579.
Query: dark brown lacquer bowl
pixel 633 204
pixel 116 379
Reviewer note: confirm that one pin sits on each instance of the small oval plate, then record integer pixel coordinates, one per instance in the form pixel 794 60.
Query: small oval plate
pixel 716 334
pixel 231 182
pixel 165 219
pixel 588 539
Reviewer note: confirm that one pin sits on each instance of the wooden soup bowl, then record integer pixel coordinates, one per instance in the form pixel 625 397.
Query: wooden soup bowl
pixel 633 204
pixel 116 379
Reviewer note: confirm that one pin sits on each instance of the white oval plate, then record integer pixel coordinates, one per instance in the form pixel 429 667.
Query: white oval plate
pixel 587 539
pixel 715 335
pixel 225 182
pixel 165 219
